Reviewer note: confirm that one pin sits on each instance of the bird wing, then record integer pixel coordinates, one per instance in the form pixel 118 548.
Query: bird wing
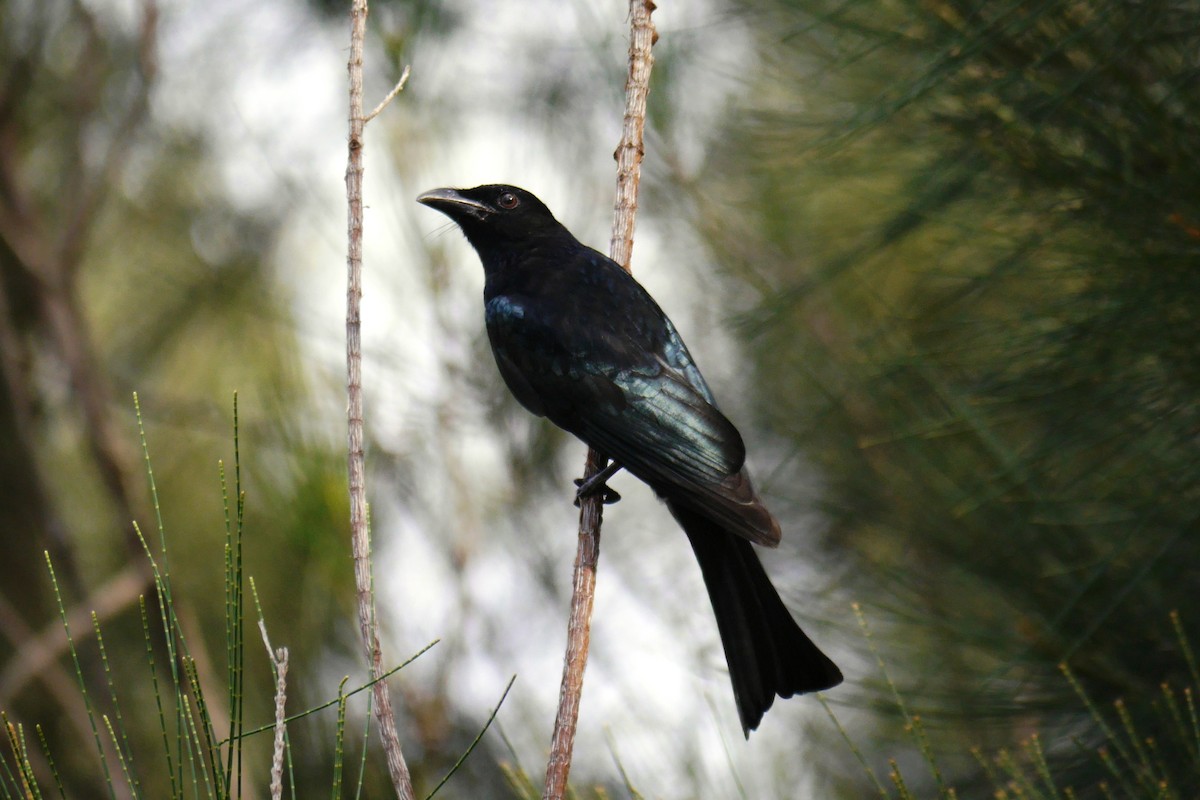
pixel 587 347
pixel 619 377
pixel 658 424
pixel 668 434
pixel 643 404
pixel 655 417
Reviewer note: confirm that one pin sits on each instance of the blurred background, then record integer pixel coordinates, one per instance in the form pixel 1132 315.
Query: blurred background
pixel 940 262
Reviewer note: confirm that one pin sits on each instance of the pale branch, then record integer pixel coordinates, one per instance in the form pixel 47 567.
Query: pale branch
pixel 628 155
pixel 583 592
pixel 279 663
pixel 359 534
pixel 397 89
pixel 631 149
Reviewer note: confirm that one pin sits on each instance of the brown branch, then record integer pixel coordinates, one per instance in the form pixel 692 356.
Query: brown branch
pixel 92 187
pixel 61 685
pixel 583 592
pixel 61 306
pixel 109 448
pixel 629 163
pixel 36 652
pixel 629 152
pixel 359 534
pixel 52 264
pixel 40 513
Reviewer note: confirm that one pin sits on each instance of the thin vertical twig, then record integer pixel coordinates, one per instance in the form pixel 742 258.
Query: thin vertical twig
pixel 360 542
pixel 279 661
pixel 631 149
pixel 628 155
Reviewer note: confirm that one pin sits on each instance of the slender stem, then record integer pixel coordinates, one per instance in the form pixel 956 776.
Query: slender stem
pixel 631 149
pixel 583 592
pixel 359 534
pixel 629 162
pixel 279 662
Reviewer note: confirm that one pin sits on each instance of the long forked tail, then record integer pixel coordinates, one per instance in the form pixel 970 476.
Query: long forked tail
pixel 765 649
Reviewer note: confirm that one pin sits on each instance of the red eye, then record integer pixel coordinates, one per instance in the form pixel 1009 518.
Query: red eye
pixel 508 200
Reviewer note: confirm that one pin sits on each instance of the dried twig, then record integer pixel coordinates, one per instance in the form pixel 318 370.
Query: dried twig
pixel 279 660
pixel 629 152
pixel 629 161
pixel 360 542
pixel 397 89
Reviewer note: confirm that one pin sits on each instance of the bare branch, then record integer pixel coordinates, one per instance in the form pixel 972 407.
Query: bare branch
pixel 397 89
pixel 359 535
pixel 94 185
pixel 36 652
pixel 279 660
pixel 629 162
pixel 583 592
pixel 630 151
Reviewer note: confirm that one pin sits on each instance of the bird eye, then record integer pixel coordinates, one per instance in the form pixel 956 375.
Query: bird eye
pixel 508 200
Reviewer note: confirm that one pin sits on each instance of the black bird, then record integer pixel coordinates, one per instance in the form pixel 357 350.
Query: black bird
pixel 580 342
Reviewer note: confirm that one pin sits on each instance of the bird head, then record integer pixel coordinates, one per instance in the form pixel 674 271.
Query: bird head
pixel 495 215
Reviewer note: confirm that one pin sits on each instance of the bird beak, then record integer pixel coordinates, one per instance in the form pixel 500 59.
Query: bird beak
pixel 453 204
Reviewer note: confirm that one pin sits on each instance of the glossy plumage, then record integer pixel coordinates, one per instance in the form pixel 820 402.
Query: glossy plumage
pixel 579 341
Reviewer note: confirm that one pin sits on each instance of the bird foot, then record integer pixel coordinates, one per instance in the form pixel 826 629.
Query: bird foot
pixel 597 484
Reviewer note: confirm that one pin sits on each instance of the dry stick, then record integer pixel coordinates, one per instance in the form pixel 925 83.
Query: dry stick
pixel 279 660
pixel 360 543
pixel 629 162
pixel 629 152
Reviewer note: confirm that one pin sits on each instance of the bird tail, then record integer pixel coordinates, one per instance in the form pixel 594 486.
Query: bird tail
pixel 765 649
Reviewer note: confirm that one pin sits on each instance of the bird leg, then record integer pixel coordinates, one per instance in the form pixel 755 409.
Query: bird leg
pixel 597 485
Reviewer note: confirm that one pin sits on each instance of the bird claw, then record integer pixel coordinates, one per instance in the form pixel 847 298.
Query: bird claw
pixel 587 488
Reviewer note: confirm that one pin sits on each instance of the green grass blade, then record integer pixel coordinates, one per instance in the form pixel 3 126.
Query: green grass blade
pixel 158 702
pixel 330 703
pixel 196 749
pixel 854 748
pixel 50 761
pixel 1185 645
pixel 476 741
pixel 210 751
pixel 24 780
pixel 83 692
pixel 340 740
pixel 119 736
pixel 116 740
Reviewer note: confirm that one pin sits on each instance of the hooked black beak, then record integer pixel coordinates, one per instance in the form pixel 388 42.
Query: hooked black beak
pixel 453 204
